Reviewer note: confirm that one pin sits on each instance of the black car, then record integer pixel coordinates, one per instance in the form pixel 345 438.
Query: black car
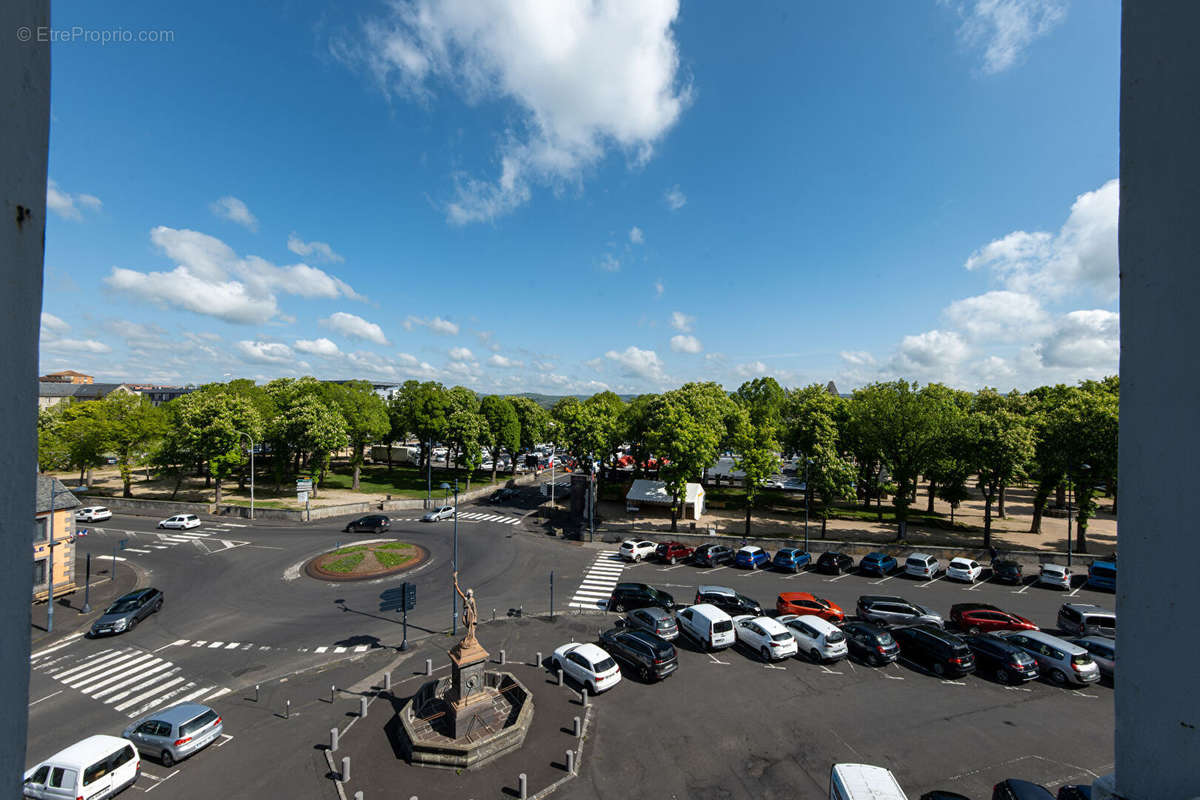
pixel 870 643
pixel 942 794
pixel 127 611
pixel 502 495
pixel 832 562
pixel 1003 660
pixel 933 649
pixel 1014 789
pixel 731 602
pixel 373 523
pixel 710 555
pixel 1006 571
pixel 628 596
pixel 1077 792
pixel 652 657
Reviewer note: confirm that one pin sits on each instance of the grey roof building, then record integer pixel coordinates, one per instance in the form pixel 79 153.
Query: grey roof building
pixel 64 498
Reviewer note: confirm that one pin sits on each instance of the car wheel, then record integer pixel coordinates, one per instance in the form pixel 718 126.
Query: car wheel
pixel 973 630
pixel 938 669
pixel 765 653
pixel 133 623
pixel 815 655
pixel 166 759
pixel 637 558
pixel 1002 676
pixel 1058 677
pixel 158 606
pixel 378 531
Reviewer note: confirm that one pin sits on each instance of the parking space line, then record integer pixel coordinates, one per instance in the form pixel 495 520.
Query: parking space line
pixel 135 550
pixel 773 666
pixel 955 683
pixel 1075 591
pixel 927 584
pixel 226 739
pixel 1017 689
pixel 668 569
pixel 161 781
pixel 752 573
pixel 1023 588
pixel 829 671
pixel 716 660
pixel 839 577
pixel 715 569
pixel 47 697
pixel 975 586
pixel 885 580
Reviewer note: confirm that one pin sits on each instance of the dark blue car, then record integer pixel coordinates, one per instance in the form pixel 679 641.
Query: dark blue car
pixel 878 563
pixel 751 557
pixel 791 559
pixel 1102 574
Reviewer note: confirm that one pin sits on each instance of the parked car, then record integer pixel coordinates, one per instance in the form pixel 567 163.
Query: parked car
pixel 656 620
pixel 863 782
pixel 628 596
pixel 127 611
pixel 1076 792
pixel 728 600
pixel 831 562
pixel 922 565
pixel 588 664
pixel 1102 574
pixel 870 643
pixel 635 550
pixel 984 618
pixel 672 552
pixel 708 625
pixel 374 523
pixel 802 603
pixel 650 656
pixel 817 638
pixel 880 564
pixel 890 610
pixel 1061 661
pixel 93 514
pixel 98 766
pixel 765 636
pixel 504 495
pixel 935 650
pixel 181 522
pixel 1003 660
pixel 1013 789
pixel 438 514
pixel 751 557
pixel 1103 650
pixel 964 569
pixel 791 559
pixel 710 555
pixel 1085 619
pixel 175 733
pixel 943 794
pixel 1055 575
pixel 1007 571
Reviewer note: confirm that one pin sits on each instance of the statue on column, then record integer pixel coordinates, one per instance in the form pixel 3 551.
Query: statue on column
pixel 470 616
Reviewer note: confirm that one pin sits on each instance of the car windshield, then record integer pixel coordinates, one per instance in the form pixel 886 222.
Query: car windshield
pixel 605 664
pixel 122 607
pixel 1100 621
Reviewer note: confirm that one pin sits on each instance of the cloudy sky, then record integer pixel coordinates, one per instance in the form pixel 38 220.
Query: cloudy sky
pixel 572 196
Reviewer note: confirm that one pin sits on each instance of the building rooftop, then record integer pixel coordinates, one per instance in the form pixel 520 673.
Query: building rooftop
pixel 48 486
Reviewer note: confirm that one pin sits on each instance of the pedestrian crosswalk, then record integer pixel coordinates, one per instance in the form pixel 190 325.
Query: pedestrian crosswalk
pixel 472 516
pixel 596 587
pixel 205 644
pixel 130 680
pixel 210 540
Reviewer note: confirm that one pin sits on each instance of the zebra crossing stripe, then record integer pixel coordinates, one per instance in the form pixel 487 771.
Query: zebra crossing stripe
pixel 320 649
pixel 121 684
pixel 218 693
pixel 158 687
pixel 103 679
pixel 232 645
pixel 151 676
pixel 362 648
pixel 198 693
pixel 96 664
pixel 339 649
pixel 160 701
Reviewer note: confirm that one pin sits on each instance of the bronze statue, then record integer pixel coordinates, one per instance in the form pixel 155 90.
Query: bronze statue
pixel 470 615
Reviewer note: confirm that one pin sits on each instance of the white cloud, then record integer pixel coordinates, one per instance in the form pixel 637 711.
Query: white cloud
pixel 53 326
pixel 583 77
pixel 67 205
pixel 932 350
pixel 355 326
pixel 1004 29
pixel 77 346
pixel 497 360
pixel 436 324
pixel 235 210
pixel 750 369
pixel 636 236
pixel 675 198
pixel 610 263
pixel 264 352
pixel 859 358
pixel 461 354
pixel 142 336
pixel 1083 255
pixel 317 347
pixel 321 250
pixel 638 363
pixel 685 344
pixel 998 316
pixel 1087 340
pixel 682 322
pixel 180 289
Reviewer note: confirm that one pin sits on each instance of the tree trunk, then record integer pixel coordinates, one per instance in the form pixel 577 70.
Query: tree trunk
pixel 82 473
pixel 496 466
pixel 125 479
pixel 1114 497
pixel 952 507
pixel 932 492
pixel 217 500
pixel 747 516
pixel 824 524
pixel 674 514
pixel 354 483
pixel 178 483
pixel 1039 504
pixel 89 478
pixel 987 520
pixel 389 451
pixel 1060 495
pixel 1000 502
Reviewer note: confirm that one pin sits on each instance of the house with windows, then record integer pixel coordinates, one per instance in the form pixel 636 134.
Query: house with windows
pixel 66 376
pixel 53 538
pixel 51 393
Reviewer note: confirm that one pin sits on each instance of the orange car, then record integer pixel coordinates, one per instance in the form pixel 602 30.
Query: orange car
pixel 806 603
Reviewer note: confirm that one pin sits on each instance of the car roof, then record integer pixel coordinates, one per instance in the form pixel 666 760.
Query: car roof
pixel 89 749
pixel 1096 638
pixel 1053 567
pixel 709 610
pixel 919 555
pixel 750 548
pixel 633 586
pixel 882 598
pixel 589 651
pixel 653 611
pixel 136 594
pixel 787 596
pixel 770 625
pixel 178 714
pixel 1056 641
pixel 876 554
pixel 961 607
pixel 704 589
pixel 1089 608
pixel 812 620
pixel 963 559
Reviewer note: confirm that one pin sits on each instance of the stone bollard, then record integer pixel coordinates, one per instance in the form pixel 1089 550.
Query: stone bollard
pixel 387 681
pixel 538 663
pixel 256 692
pixel 583 696
pixel 523 786
pixel 345 769
pixel 570 761
pixel 333 739
pixel 502 658
pixel 429 666
pixel 577 730
pixel 561 676
pixel 358 795
pixel 287 709
pixel 362 707
pixel 332 693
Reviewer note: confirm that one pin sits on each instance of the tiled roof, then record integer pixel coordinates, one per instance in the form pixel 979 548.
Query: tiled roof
pixel 48 485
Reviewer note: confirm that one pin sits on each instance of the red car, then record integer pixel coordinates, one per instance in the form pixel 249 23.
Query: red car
pixel 673 551
pixel 806 603
pixel 984 618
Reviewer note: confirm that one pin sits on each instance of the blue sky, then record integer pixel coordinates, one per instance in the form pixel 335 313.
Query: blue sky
pixel 569 197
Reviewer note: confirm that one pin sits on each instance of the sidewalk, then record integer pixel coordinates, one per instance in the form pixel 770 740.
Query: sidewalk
pixel 68 616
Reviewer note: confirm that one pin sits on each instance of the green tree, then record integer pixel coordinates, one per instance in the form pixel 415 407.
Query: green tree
pixel 85 433
pixel 366 418
pixel 399 416
pixel 424 408
pixel 633 425
pixel 207 425
pixel 501 429
pixel 1003 444
pixel 465 430
pixel 460 399
pixel 53 452
pixel 533 420
pixel 134 427
pixel 758 456
pixel 1090 421
pixel 810 425
pixel 763 399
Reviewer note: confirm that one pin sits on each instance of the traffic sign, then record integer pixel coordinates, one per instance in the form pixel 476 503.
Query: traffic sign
pixel 304 484
pixel 399 598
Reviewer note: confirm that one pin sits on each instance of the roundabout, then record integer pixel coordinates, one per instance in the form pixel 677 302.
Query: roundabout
pixel 366 561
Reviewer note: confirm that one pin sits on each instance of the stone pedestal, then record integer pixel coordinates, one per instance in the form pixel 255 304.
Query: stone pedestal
pixel 467 695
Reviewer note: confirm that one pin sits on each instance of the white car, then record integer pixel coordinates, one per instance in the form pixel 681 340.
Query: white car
pixel 922 565
pixel 634 550
pixel 181 522
pixel 441 512
pixel 589 665
pixel 964 569
pixel 1055 575
pixel 820 639
pixel 92 514
pixel 765 636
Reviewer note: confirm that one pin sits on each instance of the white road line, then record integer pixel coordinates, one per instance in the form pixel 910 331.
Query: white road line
pixel 135 550
pixel 752 573
pixel 1075 591
pixel 193 695
pixel 154 680
pixel 106 677
pixel 162 687
pixel 927 584
pixel 160 781
pixel 158 546
pixel 111 557
pixel 47 697
pixel 174 539
pixel 96 664
pixel 885 580
pixel 237 525
pixel 70 640
pixel 584 605
pixel 829 671
pixel 668 569
pixel 225 739
pixel 175 643
pixel 585 584
pixel 320 649
pixel 248 647
pixel 362 648
pixel 218 693
pixel 591 593
pixel 715 569
pixel 839 577
pixel 232 645
pixel 716 660
pixel 161 702
pixel 215 645
pixel 772 666
pixel 976 585
pixel 199 643
pixel 339 649
pixel 123 683
pixel 1023 588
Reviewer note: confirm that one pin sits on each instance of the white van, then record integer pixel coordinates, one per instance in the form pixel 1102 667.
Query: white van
pixel 708 625
pixel 863 782
pixel 98 766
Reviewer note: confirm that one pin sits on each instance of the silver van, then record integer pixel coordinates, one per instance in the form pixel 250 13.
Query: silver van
pixel 175 733
pixel 1085 619
pixel 98 766
pixel 1062 661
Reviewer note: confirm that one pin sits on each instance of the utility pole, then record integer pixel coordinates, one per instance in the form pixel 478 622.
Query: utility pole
pixel 50 561
pixel 429 475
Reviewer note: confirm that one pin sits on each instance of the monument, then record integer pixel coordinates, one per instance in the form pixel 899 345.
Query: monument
pixel 471 717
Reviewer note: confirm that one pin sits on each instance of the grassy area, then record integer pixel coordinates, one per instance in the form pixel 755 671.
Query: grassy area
pixel 394 558
pixel 404 481
pixel 230 501
pixel 357 548
pixel 346 563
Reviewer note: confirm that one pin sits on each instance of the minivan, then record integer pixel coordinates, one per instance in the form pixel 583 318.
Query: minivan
pixel 98 766
pixel 1085 619
pixel 922 565
pixel 932 648
pixel 708 625
pixel 1061 661
pixel 863 782
pixel 1102 574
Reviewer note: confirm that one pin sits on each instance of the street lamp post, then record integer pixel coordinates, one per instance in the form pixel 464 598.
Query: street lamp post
pixel 251 440
pixel 807 462
pixel 50 562
pixel 454 560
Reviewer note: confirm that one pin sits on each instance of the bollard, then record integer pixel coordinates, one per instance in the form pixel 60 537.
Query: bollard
pixel 256 692
pixel 538 663
pixel 561 676
pixel 577 732
pixel 522 785
pixel 287 709
pixel 493 615
pixel 333 738
pixel 362 707
pixel 387 681
pixel 429 666
pixel 345 769
pixel 358 795
pixel 570 761
pixel 502 659
pixel 583 695
pixel 332 693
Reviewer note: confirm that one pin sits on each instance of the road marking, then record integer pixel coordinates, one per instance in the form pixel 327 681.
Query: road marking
pixel 977 585
pixel 668 569
pixel 339 649
pixel 148 693
pixel 885 580
pixel 716 660
pixel 233 645
pixel 585 605
pixel 226 739
pixel 96 664
pixel 927 584
pixel 955 683
pixel 159 546
pixel 773 666
pixel 215 645
pixel 362 648
pixel 795 575
pixel 121 681
pixel 237 525
pixel 218 693
pixel 1023 588
pixel 133 667
pixel 839 577
pixel 1017 689
pixel 111 557
pixel 175 643
pixel 752 573
pixel 716 569
pixel 67 642
pixel 320 649
pixel 154 680
pixel 162 780
pixel 135 550
pixel 195 694
pixel 47 697
pixel 1075 591
pixel 199 643
pixel 588 593
pixel 829 671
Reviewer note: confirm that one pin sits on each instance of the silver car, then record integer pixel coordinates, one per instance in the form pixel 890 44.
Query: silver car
pixel 1104 652
pixel 175 733
pixel 439 513
pixel 654 620
pixel 1062 661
